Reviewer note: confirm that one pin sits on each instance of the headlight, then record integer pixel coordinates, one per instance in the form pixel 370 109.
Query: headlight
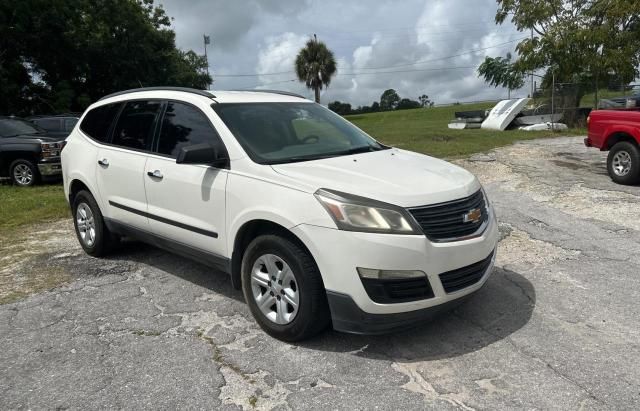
pixel 354 213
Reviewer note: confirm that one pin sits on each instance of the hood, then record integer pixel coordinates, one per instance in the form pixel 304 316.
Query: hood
pixel 394 176
pixel 45 138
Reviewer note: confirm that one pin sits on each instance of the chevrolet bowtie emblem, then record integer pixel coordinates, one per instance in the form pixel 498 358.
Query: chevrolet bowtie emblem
pixel 473 216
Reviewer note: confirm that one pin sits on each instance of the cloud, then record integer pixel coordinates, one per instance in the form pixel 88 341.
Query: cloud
pixel 416 47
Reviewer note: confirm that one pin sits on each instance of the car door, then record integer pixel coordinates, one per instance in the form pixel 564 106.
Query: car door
pixel 121 164
pixel 186 203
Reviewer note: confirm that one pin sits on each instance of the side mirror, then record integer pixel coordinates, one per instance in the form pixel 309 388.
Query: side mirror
pixel 203 154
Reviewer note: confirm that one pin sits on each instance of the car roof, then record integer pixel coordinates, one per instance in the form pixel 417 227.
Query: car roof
pixel 48 116
pixel 217 96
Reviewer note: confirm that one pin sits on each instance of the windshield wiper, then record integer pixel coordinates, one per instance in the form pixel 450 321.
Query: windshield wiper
pixel 363 149
pixel 355 150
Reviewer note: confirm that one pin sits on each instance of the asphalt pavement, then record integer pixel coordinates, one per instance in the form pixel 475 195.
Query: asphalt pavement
pixel 557 325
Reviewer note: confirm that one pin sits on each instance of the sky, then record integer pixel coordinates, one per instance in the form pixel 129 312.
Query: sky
pixel 416 47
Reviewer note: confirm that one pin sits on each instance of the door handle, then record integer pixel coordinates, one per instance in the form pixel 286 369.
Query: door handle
pixel 155 174
pixel 103 162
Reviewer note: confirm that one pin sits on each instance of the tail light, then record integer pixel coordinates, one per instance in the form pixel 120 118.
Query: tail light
pixel 52 150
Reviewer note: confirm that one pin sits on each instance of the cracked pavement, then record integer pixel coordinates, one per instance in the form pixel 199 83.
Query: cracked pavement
pixel 555 327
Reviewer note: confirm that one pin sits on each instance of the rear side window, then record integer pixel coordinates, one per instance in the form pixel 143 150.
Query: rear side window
pixel 134 128
pixel 49 124
pixel 182 126
pixel 69 123
pixel 97 122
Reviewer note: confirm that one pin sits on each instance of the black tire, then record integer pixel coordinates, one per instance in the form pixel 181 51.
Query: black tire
pixel 103 240
pixel 624 148
pixel 312 316
pixel 20 178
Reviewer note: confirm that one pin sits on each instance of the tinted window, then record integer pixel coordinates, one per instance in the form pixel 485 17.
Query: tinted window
pixel 13 127
pixel 135 125
pixel 184 125
pixel 49 124
pixel 97 122
pixel 69 123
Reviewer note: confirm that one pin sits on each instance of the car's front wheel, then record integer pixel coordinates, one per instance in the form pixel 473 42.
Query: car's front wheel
pixel 23 173
pixel 93 235
pixel 623 163
pixel 283 288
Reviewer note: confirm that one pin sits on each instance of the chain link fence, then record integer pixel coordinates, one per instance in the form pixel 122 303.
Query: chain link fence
pixel 570 103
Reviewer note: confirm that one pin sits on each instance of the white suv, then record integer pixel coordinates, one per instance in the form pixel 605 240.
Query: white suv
pixel 316 221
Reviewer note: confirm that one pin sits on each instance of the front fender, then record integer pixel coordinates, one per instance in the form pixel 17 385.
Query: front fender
pixel 282 205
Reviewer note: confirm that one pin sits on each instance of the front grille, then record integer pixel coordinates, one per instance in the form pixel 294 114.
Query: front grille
pixel 445 221
pixel 397 290
pixel 464 277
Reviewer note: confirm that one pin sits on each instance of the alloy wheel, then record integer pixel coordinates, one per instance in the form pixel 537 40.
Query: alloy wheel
pixel 275 289
pixel 23 174
pixel 86 224
pixel 621 163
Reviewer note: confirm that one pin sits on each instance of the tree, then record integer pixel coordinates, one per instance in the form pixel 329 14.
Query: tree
pixel 340 108
pixel 406 104
pixel 389 100
pixel 90 50
pixel 500 72
pixel 375 107
pixel 315 65
pixel 579 41
pixel 424 100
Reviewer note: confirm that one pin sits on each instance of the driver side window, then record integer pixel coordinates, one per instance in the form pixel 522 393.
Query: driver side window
pixel 135 125
pixel 184 125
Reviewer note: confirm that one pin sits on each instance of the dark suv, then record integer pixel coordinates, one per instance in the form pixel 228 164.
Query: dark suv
pixel 28 153
pixel 58 125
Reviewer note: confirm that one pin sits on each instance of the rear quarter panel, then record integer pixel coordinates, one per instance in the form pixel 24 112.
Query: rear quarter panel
pixel 79 158
pixel 605 124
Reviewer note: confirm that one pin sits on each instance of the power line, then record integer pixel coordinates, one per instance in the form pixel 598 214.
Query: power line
pixel 444 58
pixel 380 67
pixel 404 71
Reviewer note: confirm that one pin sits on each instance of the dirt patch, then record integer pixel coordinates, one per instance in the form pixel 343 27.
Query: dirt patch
pixel 517 247
pixel 31 259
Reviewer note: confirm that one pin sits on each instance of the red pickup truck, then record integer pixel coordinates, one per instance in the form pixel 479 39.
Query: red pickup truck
pixel 617 131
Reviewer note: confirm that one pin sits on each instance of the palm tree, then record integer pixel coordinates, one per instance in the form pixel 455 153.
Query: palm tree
pixel 315 65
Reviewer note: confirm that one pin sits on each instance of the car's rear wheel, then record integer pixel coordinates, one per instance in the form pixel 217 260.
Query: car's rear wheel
pixel 283 288
pixel 623 163
pixel 93 235
pixel 23 173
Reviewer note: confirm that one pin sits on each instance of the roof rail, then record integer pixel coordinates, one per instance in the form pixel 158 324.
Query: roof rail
pixel 184 89
pixel 284 93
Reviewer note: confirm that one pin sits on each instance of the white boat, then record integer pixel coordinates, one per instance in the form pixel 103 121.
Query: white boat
pixel 537 119
pixel 503 113
pixel 545 126
pixel 461 124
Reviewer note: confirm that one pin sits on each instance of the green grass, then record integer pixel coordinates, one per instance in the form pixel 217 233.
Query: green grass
pixel 425 130
pixel 32 205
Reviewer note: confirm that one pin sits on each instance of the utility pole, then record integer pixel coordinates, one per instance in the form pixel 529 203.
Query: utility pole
pixel 553 87
pixel 532 85
pixel 207 40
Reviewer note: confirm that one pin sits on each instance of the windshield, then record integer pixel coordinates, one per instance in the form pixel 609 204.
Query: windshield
pixel 273 133
pixel 13 127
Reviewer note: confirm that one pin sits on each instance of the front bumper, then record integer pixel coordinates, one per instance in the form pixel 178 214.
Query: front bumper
pixel 338 253
pixel 347 317
pixel 50 169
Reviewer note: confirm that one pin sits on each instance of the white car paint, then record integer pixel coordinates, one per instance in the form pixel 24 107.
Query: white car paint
pixel 224 200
